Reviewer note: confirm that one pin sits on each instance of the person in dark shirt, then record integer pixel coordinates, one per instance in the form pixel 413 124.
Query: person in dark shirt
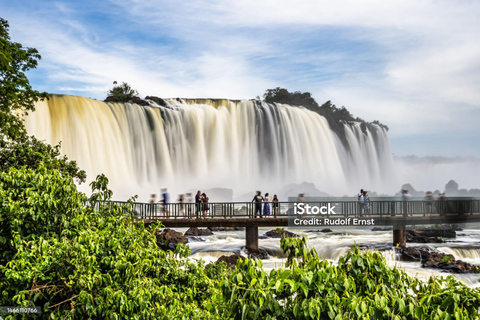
pixel 198 203
pixel 258 199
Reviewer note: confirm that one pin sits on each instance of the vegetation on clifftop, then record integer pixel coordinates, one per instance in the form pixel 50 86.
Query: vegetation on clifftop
pixel 334 115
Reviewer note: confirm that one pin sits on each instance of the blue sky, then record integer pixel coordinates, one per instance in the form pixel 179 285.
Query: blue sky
pixel 413 65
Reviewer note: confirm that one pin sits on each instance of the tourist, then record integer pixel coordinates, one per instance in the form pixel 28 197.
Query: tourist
pixel 442 206
pixel 301 197
pixel 153 204
pixel 406 197
pixel 275 205
pixel 429 201
pixel 366 203
pixel 266 206
pixel 181 201
pixel 188 201
pixel 258 204
pixel 198 203
pixel 165 201
pixel 360 202
pixel 205 204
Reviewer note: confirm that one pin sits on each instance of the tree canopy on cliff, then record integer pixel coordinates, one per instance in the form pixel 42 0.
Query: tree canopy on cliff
pixel 334 115
pixel 122 93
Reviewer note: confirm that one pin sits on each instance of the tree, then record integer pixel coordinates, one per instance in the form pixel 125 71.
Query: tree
pixel 17 98
pixel 122 93
pixel 16 93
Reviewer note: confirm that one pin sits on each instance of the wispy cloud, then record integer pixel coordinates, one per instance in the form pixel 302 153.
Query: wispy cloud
pixel 411 64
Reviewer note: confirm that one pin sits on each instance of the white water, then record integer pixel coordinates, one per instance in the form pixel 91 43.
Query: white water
pixel 200 144
pixel 331 246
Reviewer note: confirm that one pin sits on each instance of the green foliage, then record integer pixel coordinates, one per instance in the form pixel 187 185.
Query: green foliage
pixel 447 258
pixel 16 94
pixel 122 93
pixel 361 286
pixel 80 257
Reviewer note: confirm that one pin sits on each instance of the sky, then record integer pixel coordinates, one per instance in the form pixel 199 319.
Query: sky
pixel 413 65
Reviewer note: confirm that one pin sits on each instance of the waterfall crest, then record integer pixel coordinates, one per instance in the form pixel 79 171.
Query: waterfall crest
pixel 196 144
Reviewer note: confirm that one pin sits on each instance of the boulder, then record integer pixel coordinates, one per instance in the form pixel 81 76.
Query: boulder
pixel 434 259
pixel 280 232
pixel 420 236
pixel 168 239
pixel 261 254
pixel 231 260
pixel 198 232
pixel 157 100
pixel 382 229
pixel 227 228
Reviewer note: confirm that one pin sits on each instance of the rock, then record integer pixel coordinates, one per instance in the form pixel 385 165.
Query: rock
pixel 198 232
pixel 382 229
pixel 168 239
pixel 434 259
pixel 157 100
pixel 443 232
pixel 195 239
pixel 227 228
pixel 280 232
pixel 231 260
pixel 261 254
pixel 136 100
pixel 420 253
pixel 376 246
pixel 421 236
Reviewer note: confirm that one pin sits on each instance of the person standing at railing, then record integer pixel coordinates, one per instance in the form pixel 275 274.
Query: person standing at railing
pixel 442 206
pixel 258 199
pixel 181 201
pixel 153 204
pixel 275 205
pixel 406 197
pixel 198 203
pixel 165 201
pixel 366 203
pixel 206 208
pixel 189 201
pixel 429 201
pixel 266 206
pixel 360 202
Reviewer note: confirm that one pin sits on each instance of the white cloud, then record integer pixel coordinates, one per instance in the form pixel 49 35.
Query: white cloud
pixel 418 60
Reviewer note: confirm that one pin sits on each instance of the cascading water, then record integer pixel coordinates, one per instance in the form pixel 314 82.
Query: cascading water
pixel 198 144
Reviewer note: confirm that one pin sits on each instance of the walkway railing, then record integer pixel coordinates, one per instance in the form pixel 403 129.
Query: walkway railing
pixel 286 209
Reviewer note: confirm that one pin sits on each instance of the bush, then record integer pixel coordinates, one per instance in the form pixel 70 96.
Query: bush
pixel 80 257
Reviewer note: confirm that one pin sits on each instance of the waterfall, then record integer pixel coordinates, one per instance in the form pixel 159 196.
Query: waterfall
pixel 197 144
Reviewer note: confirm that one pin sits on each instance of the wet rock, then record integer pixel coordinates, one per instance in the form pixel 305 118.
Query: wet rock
pixel 231 260
pixel 280 232
pixel 382 228
pixel 428 236
pixel 157 100
pixel 196 239
pixel 447 262
pixel 376 246
pixel 420 253
pixel 438 232
pixel 261 254
pixel 198 232
pixel 227 228
pixel 169 238
pixel 434 259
